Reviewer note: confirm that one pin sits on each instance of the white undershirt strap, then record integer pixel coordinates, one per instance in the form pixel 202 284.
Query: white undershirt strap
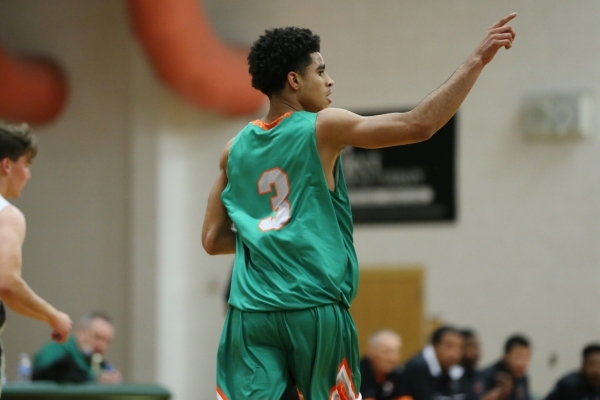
pixel 3 203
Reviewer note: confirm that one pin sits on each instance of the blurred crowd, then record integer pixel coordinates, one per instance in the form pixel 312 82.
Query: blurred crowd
pixel 447 368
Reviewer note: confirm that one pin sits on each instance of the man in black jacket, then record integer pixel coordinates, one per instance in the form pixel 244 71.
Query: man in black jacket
pixel 583 384
pixel 469 361
pixel 434 374
pixel 379 369
pixel 511 369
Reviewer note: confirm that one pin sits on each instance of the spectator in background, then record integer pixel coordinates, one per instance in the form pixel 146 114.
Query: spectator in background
pixel 507 379
pixel 434 374
pixel 379 369
pixel 583 384
pixel 469 361
pixel 81 358
pixel 472 384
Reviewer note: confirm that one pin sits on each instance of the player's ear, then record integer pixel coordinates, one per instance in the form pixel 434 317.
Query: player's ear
pixel 5 165
pixel 293 81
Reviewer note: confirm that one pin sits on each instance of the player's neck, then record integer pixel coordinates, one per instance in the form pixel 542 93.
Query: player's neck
pixel 3 187
pixel 281 104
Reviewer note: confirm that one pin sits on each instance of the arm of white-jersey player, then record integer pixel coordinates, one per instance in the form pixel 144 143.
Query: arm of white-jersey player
pixel 14 291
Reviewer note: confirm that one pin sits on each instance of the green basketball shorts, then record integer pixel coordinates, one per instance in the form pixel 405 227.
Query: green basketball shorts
pixel 309 354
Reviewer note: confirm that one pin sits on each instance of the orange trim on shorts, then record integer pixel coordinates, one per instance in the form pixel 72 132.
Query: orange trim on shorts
pixel 344 364
pixel 220 394
pixel 339 388
pixel 270 125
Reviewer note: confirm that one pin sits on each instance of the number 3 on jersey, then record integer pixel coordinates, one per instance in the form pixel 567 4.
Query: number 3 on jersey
pixel 275 177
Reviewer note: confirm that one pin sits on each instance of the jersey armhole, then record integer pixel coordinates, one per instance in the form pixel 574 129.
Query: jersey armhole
pixel 336 165
pixel 336 173
pixel 233 143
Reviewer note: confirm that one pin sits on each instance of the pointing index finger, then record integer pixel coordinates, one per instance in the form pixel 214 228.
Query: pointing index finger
pixel 504 20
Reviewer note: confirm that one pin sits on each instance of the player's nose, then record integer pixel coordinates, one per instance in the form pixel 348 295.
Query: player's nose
pixel 329 81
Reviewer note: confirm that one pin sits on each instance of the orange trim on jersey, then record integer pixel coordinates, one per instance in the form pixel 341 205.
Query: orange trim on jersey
pixel 220 394
pixel 266 126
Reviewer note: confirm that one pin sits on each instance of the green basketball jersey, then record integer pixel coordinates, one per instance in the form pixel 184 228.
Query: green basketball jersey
pixel 294 236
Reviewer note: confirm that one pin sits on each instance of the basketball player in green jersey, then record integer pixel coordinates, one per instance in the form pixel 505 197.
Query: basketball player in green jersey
pixel 282 190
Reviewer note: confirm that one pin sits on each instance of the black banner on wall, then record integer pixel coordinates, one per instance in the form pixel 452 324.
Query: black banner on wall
pixel 411 183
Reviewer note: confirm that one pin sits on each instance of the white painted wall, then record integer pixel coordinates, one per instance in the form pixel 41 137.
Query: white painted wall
pixel 521 257
pixel 190 292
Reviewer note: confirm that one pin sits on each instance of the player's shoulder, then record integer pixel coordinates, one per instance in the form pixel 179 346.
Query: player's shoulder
pixel 230 143
pixel 11 216
pixel 335 114
pixel 224 158
pixel 335 119
pixel 572 379
pixel 416 363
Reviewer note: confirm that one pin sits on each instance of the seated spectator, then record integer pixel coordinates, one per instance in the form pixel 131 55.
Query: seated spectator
pixel 380 376
pixel 469 361
pixel 507 379
pixel 81 358
pixel 434 374
pixel 583 384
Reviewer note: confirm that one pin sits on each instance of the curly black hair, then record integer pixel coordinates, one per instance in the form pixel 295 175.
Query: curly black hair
pixel 276 53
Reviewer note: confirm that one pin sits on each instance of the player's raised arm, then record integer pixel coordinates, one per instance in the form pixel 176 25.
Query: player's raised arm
pixel 217 236
pixel 338 128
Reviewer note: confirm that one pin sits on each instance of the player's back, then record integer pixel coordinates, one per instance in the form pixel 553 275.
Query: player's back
pixel 294 244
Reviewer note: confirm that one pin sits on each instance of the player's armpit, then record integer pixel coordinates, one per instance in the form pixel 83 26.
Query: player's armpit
pixel 337 128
